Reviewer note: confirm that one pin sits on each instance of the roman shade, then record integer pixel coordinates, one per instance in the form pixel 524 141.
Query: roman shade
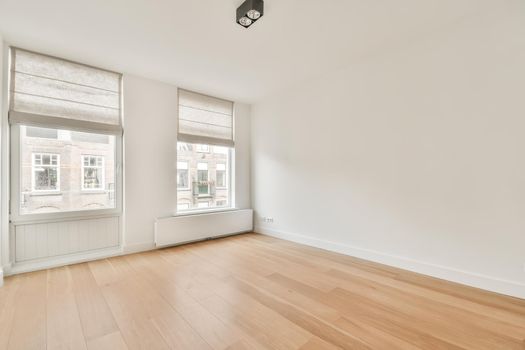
pixel 205 119
pixel 48 91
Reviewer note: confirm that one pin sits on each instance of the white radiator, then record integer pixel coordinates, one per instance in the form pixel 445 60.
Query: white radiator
pixel 189 228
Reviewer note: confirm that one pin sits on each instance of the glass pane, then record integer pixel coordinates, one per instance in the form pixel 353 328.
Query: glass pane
pixel 206 176
pixel 65 173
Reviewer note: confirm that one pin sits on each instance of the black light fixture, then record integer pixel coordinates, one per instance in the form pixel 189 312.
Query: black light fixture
pixel 249 12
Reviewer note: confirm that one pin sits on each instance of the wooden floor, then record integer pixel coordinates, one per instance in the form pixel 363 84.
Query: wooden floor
pixel 250 292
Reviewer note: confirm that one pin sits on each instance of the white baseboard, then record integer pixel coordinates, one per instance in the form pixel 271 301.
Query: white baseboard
pixel 512 288
pixel 1 277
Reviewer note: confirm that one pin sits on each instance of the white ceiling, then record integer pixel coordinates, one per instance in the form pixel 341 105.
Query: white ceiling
pixel 196 44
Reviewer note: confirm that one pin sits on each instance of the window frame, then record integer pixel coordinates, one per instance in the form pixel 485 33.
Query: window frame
pixel 15 184
pixel 33 177
pixel 102 168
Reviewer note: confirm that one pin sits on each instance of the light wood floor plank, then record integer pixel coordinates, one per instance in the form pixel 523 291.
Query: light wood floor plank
pixel 29 322
pixel 8 298
pixel 64 329
pixel 111 341
pixel 95 316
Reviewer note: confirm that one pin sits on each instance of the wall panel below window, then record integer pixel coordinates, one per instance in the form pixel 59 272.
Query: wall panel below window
pixel 45 240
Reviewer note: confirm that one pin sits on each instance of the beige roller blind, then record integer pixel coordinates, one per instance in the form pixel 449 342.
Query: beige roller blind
pixel 45 88
pixel 204 119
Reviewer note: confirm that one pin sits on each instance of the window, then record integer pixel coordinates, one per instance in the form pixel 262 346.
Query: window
pixel 203 148
pixel 63 175
pixel 202 179
pixel 45 172
pixel 205 143
pixel 221 175
pixel 183 176
pixel 65 125
pixel 92 173
pixel 198 179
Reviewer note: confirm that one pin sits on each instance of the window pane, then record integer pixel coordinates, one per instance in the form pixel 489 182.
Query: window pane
pixel 202 177
pixel 66 173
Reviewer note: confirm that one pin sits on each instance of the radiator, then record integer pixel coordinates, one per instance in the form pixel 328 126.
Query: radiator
pixel 189 228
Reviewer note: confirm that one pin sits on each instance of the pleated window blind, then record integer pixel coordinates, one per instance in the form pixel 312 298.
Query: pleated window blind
pixel 205 120
pixel 47 90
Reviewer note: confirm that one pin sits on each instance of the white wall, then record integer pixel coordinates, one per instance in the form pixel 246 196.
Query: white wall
pixel 413 157
pixel 242 156
pixel 150 138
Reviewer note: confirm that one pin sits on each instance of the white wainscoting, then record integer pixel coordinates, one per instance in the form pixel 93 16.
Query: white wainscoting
pixel 54 239
pixel 189 228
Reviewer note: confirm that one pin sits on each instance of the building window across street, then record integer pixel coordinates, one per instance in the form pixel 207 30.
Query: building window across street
pixel 46 172
pixel 183 175
pixel 92 173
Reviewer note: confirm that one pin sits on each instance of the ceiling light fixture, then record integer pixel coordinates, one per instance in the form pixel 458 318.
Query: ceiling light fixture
pixel 249 12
